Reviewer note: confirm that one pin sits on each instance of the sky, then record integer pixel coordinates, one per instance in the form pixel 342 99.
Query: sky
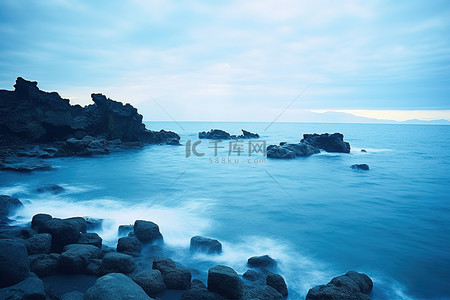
pixel 236 60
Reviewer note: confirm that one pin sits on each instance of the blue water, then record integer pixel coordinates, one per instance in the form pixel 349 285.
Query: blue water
pixel 315 215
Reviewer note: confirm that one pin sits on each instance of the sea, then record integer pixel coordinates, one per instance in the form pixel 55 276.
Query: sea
pixel 315 215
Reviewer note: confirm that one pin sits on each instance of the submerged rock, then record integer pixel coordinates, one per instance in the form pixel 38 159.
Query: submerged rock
pixel 363 167
pixel 8 205
pixel 203 244
pixel 351 286
pixel 51 188
pixel 328 142
pixel 225 281
pixel 115 286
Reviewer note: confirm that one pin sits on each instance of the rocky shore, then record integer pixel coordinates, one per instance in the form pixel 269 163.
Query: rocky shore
pixel 137 268
pixel 35 125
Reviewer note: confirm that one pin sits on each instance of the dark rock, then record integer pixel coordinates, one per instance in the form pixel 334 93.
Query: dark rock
pixel 363 150
pixel 79 222
pixel 352 286
pixel 147 232
pixel 117 263
pixel 277 282
pixel 363 167
pixel 252 275
pixel 105 250
pixel 8 205
pixel 29 115
pixel 87 146
pixel 64 232
pixel 39 152
pixel 14 264
pixel 217 134
pixel 75 258
pixel 261 292
pixel 44 264
pixel 151 281
pixel 38 221
pixel 225 281
pixel 264 261
pixel 129 245
pixel 74 295
pixel 214 134
pixel 115 287
pixel 90 238
pixel 198 291
pixel 51 188
pixel 30 288
pixel 248 135
pixel 24 165
pixel 203 244
pixel 328 142
pixel 94 267
pixel 175 277
pixel 287 151
pixel 39 244
pixel 124 230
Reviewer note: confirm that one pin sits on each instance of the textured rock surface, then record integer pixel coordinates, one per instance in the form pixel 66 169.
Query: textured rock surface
pixel 203 244
pixel 14 265
pixel 328 142
pixel 147 231
pixel 225 281
pixel 115 286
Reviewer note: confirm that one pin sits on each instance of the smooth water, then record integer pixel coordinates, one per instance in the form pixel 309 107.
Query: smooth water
pixel 317 217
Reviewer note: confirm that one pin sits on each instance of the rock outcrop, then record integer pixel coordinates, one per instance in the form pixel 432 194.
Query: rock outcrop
pixel 217 134
pixel 285 150
pixel 204 244
pixel 363 167
pixel 352 286
pixel 38 124
pixel 328 142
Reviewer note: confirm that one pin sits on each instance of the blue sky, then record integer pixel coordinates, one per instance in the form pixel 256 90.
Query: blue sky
pixel 235 60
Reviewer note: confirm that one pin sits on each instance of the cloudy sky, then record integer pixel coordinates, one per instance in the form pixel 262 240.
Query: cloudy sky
pixel 236 60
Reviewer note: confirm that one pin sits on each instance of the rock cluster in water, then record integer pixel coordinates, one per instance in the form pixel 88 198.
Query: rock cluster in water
pixel 309 145
pixel 37 124
pixel 217 134
pixel 53 246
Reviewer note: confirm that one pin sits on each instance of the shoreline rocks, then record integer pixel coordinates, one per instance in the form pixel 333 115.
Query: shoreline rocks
pixel 363 167
pixel 207 245
pixel 217 134
pixel 35 124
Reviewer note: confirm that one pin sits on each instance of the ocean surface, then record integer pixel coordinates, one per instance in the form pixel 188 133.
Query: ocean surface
pixel 317 217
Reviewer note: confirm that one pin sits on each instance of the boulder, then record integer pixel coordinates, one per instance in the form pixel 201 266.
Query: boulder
pixel 287 151
pixel 277 282
pixel 117 263
pixel 147 232
pixel 8 205
pixel 252 275
pixel 75 258
pixel 14 264
pixel 64 232
pixel 328 142
pixel 79 222
pixel 50 188
pixel 198 291
pixel 129 245
pixel 264 261
pixel 39 244
pixel 351 286
pixel 362 167
pixel 151 281
pixel 31 288
pixel 175 277
pixel 260 292
pixel 94 267
pixel 90 238
pixel 207 245
pixel 44 264
pixel 38 221
pixel 225 281
pixel 214 134
pixel 115 286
